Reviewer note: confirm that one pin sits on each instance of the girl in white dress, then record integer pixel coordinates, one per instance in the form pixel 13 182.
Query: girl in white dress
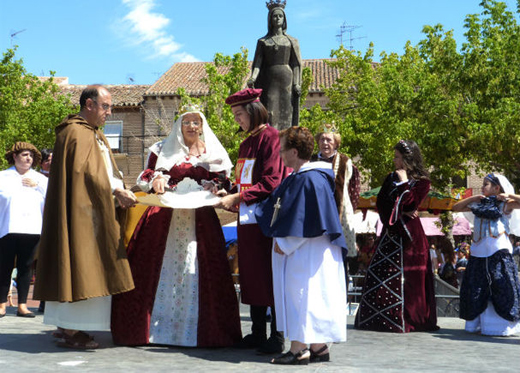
pixel 490 291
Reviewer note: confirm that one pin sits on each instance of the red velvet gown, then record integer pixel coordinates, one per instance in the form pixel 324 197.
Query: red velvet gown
pixel 218 321
pixel 261 150
pixel 398 294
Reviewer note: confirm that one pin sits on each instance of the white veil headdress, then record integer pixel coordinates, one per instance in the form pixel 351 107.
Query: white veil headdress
pixel 172 151
pixel 514 222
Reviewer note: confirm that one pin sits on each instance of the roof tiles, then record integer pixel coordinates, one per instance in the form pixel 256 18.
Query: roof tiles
pixel 189 75
pixel 122 94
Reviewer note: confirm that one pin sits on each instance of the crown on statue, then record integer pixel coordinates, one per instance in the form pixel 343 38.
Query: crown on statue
pixel 276 4
pixel 189 108
pixel 330 128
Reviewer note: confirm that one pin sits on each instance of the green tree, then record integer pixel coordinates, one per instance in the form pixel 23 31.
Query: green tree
pixel 29 108
pixel 491 79
pixel 461 106
pixel 224 76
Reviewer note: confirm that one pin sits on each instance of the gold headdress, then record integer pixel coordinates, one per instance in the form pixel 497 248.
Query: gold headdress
pixel 329 128
pixel 189 108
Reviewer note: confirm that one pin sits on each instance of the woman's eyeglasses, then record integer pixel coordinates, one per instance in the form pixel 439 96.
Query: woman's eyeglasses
pixel 187 123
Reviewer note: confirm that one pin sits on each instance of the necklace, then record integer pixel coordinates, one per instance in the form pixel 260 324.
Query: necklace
pixel 276 45
pixel 192 151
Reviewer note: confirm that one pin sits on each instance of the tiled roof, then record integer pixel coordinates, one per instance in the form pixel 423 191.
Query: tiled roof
pixel 122 94
pixel 188 75
pixel 59 80
pixel 324 75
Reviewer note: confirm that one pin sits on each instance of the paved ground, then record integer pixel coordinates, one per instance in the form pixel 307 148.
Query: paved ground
pixel 27 346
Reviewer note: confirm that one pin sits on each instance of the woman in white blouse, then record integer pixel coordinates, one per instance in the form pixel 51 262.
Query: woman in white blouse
pixel 22 196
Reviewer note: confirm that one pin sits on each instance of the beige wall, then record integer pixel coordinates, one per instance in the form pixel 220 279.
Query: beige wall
pixel 475 183
pixel 131 159
pixel 316 98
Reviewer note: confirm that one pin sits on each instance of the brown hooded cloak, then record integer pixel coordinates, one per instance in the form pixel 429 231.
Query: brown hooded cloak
pixel 81 253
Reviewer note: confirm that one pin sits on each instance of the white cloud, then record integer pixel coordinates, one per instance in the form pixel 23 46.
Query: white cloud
pixel 146 29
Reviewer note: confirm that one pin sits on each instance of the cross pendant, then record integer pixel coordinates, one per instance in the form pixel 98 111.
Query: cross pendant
pixel 277 206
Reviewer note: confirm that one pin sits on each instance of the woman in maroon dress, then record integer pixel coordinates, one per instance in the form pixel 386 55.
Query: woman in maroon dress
pixel 258 172
pixel 398 295
pixel 184 294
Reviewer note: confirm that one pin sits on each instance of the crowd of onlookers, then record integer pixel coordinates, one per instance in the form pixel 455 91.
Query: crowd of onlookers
pixel 448 262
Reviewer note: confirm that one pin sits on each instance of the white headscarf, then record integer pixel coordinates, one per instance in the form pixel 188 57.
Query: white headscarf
pixel 172 151
pixel 514 222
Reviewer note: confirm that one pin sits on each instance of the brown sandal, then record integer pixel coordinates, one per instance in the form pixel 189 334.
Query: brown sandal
pixel 79 340
pixel 58 333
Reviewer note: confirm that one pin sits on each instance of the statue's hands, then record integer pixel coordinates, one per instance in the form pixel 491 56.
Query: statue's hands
pixel 297 89
pixel 251 83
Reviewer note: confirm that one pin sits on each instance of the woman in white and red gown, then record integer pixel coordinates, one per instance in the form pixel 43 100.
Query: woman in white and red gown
pixel 184 294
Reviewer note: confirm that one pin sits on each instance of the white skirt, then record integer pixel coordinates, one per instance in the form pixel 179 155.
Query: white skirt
pixel 89 314
pixel 490 323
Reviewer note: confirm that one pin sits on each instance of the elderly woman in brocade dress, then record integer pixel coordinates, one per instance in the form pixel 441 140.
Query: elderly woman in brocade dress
pixel 184 294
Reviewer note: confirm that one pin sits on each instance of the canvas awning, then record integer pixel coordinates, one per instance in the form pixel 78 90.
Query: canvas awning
pixel 460 228
pixel 434 200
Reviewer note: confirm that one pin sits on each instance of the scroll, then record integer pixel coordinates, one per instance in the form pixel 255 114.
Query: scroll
pixel 188 194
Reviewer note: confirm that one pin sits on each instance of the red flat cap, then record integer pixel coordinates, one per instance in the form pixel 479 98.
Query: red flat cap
pixel 244 96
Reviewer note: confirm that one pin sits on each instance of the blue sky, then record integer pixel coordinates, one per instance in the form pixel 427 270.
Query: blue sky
pixel 124 41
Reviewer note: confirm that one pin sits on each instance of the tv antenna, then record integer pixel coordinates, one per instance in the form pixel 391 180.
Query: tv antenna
pixel 14 33
pixel 348 29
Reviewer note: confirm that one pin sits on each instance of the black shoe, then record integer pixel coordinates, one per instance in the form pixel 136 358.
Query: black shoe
pixel 28 314
pixel 300 358
pixel 317 358
pixel 41 307
pixel 274 345
pixel 251 341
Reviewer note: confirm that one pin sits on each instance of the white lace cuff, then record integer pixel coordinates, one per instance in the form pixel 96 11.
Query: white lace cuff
pixel 146 186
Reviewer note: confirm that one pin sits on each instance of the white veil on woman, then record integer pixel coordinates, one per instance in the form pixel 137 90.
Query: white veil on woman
pixel 172 151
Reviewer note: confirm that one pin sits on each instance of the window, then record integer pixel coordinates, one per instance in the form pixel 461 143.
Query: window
pixel 113 131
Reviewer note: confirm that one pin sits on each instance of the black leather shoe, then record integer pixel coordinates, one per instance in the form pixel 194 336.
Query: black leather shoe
pixel 317 358
pixel 251 341
pixel 300 358
pixel 274 345
pixel 28 314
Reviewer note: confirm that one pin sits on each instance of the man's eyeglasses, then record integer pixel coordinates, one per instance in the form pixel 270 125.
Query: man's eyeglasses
pixel 193 123
pixel 105 107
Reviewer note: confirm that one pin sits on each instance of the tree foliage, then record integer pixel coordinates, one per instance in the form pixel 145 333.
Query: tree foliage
pixel 225 76
pixel 461 105
pixel 29 108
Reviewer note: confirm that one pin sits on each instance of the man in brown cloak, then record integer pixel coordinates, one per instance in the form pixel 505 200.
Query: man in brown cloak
pixel 82 259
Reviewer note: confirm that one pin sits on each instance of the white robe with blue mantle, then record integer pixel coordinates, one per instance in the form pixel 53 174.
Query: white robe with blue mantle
pixel 308 279
pixel 309 290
